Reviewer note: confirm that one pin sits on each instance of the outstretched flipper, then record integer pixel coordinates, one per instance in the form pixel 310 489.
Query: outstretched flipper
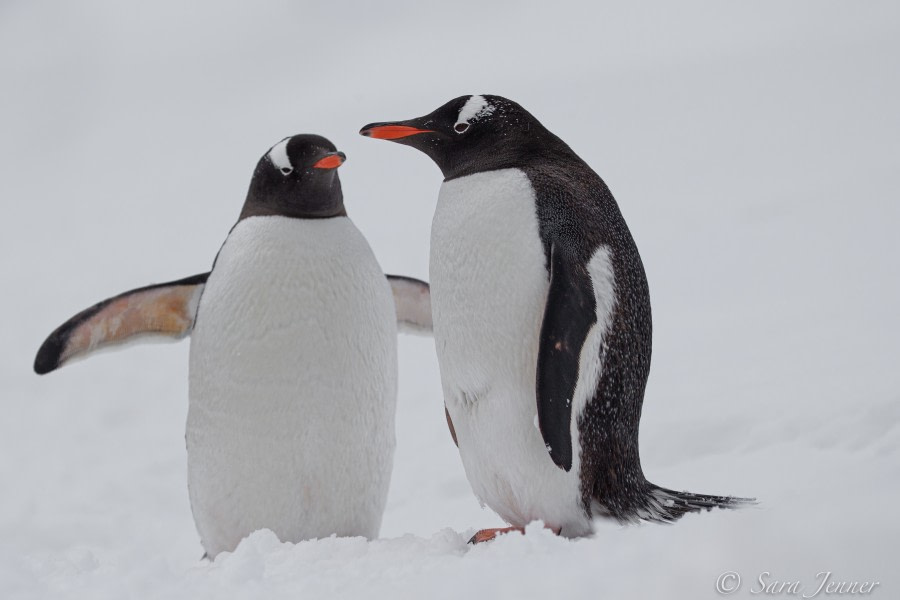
pixel 169 310
pixel 165 309
pixel 412 299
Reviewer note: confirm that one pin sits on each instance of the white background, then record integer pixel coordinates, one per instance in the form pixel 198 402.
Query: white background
pixel 752 146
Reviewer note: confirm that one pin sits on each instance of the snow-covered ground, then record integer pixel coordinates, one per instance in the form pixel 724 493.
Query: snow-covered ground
pixel 754 149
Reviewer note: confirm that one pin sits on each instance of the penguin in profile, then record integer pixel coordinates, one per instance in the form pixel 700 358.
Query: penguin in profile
pixel 293 359
pixel 541 321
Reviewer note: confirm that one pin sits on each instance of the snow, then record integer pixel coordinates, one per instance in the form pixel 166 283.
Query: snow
pixel 753 149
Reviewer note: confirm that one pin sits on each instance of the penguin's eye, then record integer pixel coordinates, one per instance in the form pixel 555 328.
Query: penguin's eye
pixel 460 127
pixel 286 170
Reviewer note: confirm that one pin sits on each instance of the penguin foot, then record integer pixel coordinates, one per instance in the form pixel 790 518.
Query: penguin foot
pixel 486 535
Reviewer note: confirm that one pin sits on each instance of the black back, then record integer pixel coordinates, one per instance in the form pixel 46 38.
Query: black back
pixel 576 214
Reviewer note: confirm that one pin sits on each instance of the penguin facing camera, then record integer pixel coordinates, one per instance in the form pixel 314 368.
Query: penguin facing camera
pixel 293 358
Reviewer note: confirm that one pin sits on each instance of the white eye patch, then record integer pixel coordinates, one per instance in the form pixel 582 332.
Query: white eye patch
pixel 475 108
pixel 278 156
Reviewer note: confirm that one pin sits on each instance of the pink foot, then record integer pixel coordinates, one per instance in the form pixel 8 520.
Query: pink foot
pixel 486 535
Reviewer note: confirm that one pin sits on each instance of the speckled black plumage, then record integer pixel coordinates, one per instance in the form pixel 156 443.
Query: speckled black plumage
pixel 576 215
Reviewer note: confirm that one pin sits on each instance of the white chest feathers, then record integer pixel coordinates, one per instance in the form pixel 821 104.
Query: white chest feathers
pixel 488 279
pixel 489 287
pixel 488 291
pixel 292 385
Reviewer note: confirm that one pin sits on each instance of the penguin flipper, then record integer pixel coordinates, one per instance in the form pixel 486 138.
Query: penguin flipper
pixel 412 299
pixel 165 309
pixel 569 314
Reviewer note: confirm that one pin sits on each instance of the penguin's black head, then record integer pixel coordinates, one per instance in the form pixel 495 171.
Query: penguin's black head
pixel 470 134
pixel 297 177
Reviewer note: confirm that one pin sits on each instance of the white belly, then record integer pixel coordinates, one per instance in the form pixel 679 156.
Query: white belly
pixel 488 291
pixel 292 385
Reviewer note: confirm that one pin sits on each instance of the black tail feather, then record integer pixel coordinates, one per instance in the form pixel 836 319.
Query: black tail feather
pixel 667 506
pixel 656 504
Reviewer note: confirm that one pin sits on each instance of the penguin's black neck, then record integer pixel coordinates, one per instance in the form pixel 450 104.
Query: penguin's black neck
pixel 255 209
pixel 316 196
pixel 536 145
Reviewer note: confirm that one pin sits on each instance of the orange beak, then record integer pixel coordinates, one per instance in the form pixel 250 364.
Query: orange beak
pixel 392 132
pixel 331 161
